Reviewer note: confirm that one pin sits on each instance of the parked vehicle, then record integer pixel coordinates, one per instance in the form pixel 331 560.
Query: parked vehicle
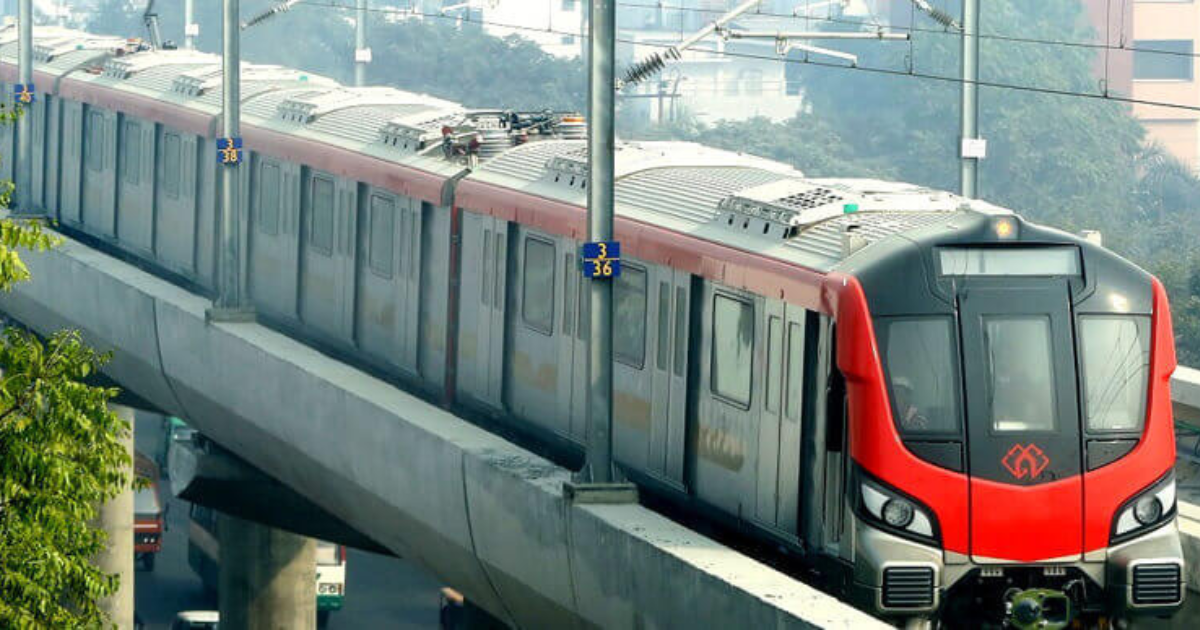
pixel 149 513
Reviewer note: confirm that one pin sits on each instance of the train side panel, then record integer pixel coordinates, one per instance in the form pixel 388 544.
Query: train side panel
pixel 99 172
pixel 483 276
pixel 274 236
pixel 135 185
pixel 50 184
pixel 71 164
pixel 434 294
pixel 329 246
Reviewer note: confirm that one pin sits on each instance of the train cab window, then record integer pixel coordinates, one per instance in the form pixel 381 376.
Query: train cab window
pixel 268 197
pixel 383 228
pixel 537 292
pixel 131 152
pixel 1020 373
pixel 629 317
pixel 732 349
pixel 171 160
pixel 1115 359
pixel 922 375
pixel 321 234
pixel 94 151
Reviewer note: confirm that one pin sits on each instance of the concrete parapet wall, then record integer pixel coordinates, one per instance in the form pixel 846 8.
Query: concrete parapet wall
pixel 487 517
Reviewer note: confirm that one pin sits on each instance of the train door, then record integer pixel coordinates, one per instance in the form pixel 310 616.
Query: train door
pixel 99 171
pixel 38 124
pixel 668 374
pixel 725 469
pixel 71 166
pixel 779 427
pixel 135 186
pixel 483 273
pixel 274 235
pixel 53 155
pixel 174 190
pixel 633 404
pixel 1023 421
pixel 389 277
pixel 572 368
pixel 533 360
pixel 327 285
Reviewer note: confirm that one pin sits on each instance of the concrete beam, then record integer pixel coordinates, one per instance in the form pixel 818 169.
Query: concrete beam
pixel 1185 393
pixel 211 476
pixel 480 513
pixel 266 577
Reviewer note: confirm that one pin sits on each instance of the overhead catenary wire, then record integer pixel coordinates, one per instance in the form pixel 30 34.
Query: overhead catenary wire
pixel 868 69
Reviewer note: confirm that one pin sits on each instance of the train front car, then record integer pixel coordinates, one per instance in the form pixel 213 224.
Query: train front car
pixel 1010 425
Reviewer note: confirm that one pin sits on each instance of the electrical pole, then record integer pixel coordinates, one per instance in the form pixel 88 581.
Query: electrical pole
pixel 230 302
pixel 362 54
pixel 972 147
pixel 23 200
pixel 190 28
pixel 601 141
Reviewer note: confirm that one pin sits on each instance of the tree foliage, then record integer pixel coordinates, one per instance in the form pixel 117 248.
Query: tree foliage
pixel 61 455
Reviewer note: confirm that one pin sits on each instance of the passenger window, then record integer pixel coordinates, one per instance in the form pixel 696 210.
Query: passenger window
pixel 537 294
pixel 131 152
pixel 681 314
pixel 922 374
pixel 664 325
pixel 383 228
pixel 774 363
pixel 268 197
pixel 1020 373
pixel 1115 355
pixel 732 349
pixel 94 152
pixel 171 158
pixel 793 392
pixel 629 317
pixel 321 229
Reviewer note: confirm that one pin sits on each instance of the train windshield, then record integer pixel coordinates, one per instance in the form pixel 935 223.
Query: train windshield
pixel 1019 385
pixel 923 373
pixel 1115 355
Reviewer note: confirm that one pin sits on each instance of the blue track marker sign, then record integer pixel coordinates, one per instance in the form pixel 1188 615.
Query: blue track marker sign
pixel 23 93
pixel 602 260
pixel 229 150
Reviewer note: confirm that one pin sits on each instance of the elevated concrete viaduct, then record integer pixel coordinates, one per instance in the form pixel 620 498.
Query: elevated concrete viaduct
pixel 480 513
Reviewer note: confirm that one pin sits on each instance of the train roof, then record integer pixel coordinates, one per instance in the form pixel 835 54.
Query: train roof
pixel 733 199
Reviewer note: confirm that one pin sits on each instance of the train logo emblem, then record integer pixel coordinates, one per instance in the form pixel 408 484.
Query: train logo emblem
pixel 1025 461
pixel 229 150
pixel 23 93
pixel 602 259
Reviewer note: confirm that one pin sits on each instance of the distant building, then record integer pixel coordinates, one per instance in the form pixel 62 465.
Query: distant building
pixel 560 19
pixel 1170 28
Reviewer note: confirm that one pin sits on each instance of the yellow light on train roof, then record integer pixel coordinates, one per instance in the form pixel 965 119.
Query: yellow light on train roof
pixel 1005 228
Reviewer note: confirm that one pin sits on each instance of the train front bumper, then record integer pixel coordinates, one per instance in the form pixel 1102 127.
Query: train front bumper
pixel 896 577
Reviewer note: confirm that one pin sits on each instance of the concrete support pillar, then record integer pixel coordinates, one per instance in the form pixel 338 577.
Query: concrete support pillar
pixel 268 577
pixel 116 519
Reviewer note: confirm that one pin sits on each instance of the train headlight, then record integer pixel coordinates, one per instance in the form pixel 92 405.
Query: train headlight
pixel 897 513
pixel 1148 510
pixel 1145 510
pixel 888 509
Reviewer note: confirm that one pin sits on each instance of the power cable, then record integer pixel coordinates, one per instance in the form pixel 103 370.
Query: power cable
pixel 811 62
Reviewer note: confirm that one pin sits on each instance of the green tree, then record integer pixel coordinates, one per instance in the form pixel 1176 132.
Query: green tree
pixel 61 456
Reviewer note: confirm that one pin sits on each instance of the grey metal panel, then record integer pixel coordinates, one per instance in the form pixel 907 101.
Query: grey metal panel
pixel 532 360
pixel 53 155
pixel 274 237
pixel 327 291
pixel 175 235
pixel 161 78
pixel 361 124
pixel 768 409
pixel 386 323
pixel 70 186
pixel 435 278
pixel 99 171
pixel 639 413
pixel 205 208
pixel 795 393
pixel 691 193
pixel 726 435
pixel 135 191
pixel 39 120
pixel 482 308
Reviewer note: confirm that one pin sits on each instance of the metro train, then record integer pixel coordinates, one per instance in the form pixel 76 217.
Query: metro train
pixel 963 414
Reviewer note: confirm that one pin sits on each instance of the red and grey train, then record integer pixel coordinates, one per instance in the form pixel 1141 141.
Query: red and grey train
pixel 963 414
